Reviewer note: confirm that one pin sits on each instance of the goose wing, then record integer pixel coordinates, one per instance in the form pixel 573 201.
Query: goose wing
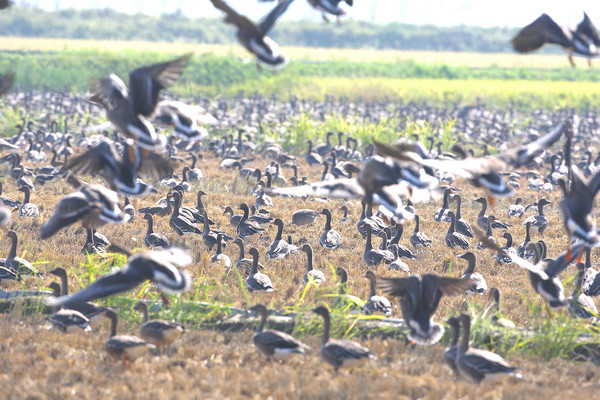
pixel 269 20
pixel 241 21
pixel 587 28
pixel 541 31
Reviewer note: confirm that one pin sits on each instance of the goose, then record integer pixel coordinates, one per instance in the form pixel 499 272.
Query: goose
pixel 273 344
pixel 482 218
pixel 257 280
pixel 517 209
pixel 159 332
pixel 374 303
pixel 330 239
pixel 373 257
pixel 441 214
pixel 95 313
pixel 179 222
pixel 488 233
pixel 522 249
pixel 311 274
pixel 403 251
pixel 161 210
pixel 126 348
pixel 418 239
pixel 345 300
pixel 154 239
pixel 219 257
pixel 312 158
pixel 91 246
pixel 18 265
pixel 243 263
pixel 539 222
pixel 340 352
pixel 591 278
pixel 194 174
pixel 544 274
pixel 184 118
pixel 93 205
pixel 128 209
pixel 128 111
pixel 397 264
pixel 580 304
pixel 262 216
pixel 185 184
pixel 159 267
pixel 67 320
pixel 23 181
pixel 330 7
pixel 497 318
pixel 325 148
pixel 7 200
pixel 27 208
pixel 364 220
pixel 500 258
pixel 453 238
pixel 450 351
pixel 477 365
pixel 254 37
pixel 247 229
pixel 479 285
pixel 583 40
pixel 420 298
pixel 462 226
pixel 234 219
pixel 280 248
pixel 121 172
pixel 345 218
pixel 304 217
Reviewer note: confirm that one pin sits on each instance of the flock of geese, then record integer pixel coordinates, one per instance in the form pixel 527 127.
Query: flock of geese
pixel 396 177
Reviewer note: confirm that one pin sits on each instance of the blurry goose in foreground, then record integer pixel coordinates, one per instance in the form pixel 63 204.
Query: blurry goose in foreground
pixel 374 303
pixel 496 317
pixel 94 205
pixel 159 267
pixel 257 280
pixel 479 285
pixel 420 298
pixel 126 348
pixel 67 320
pixel 275 345
pixel 450 351
pixel 318 277
pixel 580 304
pixel 582 40
pixel 340 352
pixel 330 7
pixel 254 37
pixel 159 332
pixel 8 79
pixel 477 365
pixel 544 274
pixel 121 172
pixel 128 110
pixel 539 222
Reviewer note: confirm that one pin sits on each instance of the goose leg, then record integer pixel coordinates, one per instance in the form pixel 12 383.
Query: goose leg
pixel 571 59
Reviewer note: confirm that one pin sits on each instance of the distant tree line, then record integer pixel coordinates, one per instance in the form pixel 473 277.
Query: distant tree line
pixel 109 24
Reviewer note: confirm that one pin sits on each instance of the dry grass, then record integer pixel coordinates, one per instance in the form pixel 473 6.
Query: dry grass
pixel 476 60
pixel 41 363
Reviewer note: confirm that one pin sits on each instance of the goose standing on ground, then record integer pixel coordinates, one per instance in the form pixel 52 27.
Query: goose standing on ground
pixel 497 318
pixel 403 251
pixel 441 214
pixel 488 233
pixel 418 239
pixel 477 365
pixel 27 209
pixel 244 264
pixel 247 229
pixel 312 158
pixel 453 238
pixel 517 209
pixel 159 267
pixel 450 351
pixel 522 249
pixel 93 205
pixel 583 40
pixel 591 278
pixel 373 257
pixel 219 257
pixel 254 37
pixel 257 280
pixel 374 303
pixel 479 285
pixel 67 320
pixel 462 226
pixel 420 298
pixel 154 239
pixel 179 222
pixel 280 248
pixel 159 332
pixel 18 265
pixel 94 312
pixel 397 264
pixel 128 110
pixel 482 218
pixel 345 218
pixel 126 348
pixel 304 217
pixel 10 202
pixel 340 352
pixel 330 238
pixel 275 345
pixel 500 257
pixel 234 219
pixel 580 304
pixel 315 275
pixel 345 300
pixel 539 222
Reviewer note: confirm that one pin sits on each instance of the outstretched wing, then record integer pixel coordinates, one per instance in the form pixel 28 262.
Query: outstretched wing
pixel 541 31
pixel 586 27
pixel 242 22
pixel 154 165
pixel 69 210
pixel 146 82
pixel 269 20
pixel 94 160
